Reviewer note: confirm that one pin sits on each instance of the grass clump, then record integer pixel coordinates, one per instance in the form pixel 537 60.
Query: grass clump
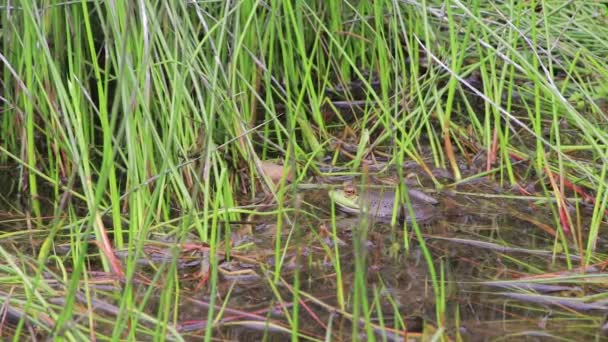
pixel 137 142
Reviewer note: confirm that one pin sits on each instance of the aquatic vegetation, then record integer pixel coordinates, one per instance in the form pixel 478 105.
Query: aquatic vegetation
pixel 165 169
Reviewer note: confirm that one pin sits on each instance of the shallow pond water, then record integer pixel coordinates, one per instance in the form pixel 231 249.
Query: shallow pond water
pixel 473 239
pixel 494 256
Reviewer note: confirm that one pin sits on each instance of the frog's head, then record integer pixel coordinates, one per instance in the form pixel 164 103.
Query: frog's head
pixel 346 199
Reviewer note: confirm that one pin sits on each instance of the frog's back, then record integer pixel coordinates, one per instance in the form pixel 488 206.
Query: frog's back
pixel 381 204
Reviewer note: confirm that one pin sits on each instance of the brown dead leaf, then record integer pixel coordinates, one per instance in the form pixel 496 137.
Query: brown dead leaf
pixel 275 171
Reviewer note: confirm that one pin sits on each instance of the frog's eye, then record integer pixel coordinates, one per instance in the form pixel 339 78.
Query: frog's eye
pixel 350 191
